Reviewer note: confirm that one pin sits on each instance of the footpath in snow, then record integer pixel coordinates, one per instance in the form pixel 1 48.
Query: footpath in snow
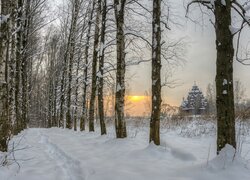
pixel 57 154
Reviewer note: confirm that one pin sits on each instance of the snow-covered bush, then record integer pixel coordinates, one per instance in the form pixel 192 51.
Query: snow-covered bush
pixel 197 127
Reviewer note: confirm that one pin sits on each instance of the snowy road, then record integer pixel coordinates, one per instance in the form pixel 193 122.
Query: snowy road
pixel 70 167
pixel 56 154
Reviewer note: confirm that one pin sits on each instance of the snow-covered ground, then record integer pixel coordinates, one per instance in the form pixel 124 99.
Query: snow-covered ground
pixel 59 154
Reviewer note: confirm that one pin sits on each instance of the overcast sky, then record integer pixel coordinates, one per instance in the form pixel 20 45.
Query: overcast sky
pixel 200 62
pixel 200 59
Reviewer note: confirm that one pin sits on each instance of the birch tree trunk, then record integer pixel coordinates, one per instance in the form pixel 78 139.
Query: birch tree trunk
pixel 76 95
pixel 62 90
pixel 4 109
pixel 85 81
pixel 72 41
pixel 12 65
pixel 224 76
pixel 63 82
pixel 53 73
pixel 19 50
pixel 94 69
pixel 77 88
pixel 156 74
pixel 55 110
pixel 101 66
pixel 120 124
pixel 24 63
pixel 79 59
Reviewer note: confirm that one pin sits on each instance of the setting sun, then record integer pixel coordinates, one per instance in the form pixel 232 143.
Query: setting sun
pixel 136 98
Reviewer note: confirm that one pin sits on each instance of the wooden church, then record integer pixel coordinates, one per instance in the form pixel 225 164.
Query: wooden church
pixel 195 103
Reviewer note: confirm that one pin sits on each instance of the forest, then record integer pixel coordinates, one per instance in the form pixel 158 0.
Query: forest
pixel 66 71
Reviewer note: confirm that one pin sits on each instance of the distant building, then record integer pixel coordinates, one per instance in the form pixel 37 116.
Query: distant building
pixel 195 104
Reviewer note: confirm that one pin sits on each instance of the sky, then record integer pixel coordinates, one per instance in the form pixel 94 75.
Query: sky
pixel 200 65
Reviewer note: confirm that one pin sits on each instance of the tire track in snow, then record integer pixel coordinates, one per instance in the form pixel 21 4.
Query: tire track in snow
pixel 69 166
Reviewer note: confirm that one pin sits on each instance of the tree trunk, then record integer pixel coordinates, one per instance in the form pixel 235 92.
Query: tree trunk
pixel 72 37
pixel 50 105
pixel 4 109
pixel 62 91
pixel 12 65
pixel 63 81
pixel 94 68
pixel 52 90
pixel 85 81
pixel 101 66
pixel 24 63
pixel 82 126
pixel 224 76
pixel 62 88
pixel 77 88
pixel 120 123
pixel 19 49
pixel 156 74
pixel 55 116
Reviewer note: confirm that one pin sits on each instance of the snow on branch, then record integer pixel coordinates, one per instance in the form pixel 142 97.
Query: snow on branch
pixel 4 18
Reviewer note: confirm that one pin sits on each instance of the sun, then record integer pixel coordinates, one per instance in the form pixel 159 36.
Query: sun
pixel 136 98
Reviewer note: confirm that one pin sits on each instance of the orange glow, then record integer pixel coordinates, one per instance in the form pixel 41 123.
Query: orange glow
pixel 135 105
pixel 136 98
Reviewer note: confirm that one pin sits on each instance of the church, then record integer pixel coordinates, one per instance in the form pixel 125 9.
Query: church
pixel 195 103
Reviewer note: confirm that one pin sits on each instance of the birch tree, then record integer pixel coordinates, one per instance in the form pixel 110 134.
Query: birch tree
pixel 24 63
pixel 72 41
pixel 94 68
pixel 63 81
pixel 85 73
pixel 101 68
pixel 19 48
pixel 156 74
pixel 80 57
pixel 52 79
pixel 4 109
pixel 120 124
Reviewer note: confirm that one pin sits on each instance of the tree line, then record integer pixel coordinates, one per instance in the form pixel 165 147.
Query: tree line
pixel 19 37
